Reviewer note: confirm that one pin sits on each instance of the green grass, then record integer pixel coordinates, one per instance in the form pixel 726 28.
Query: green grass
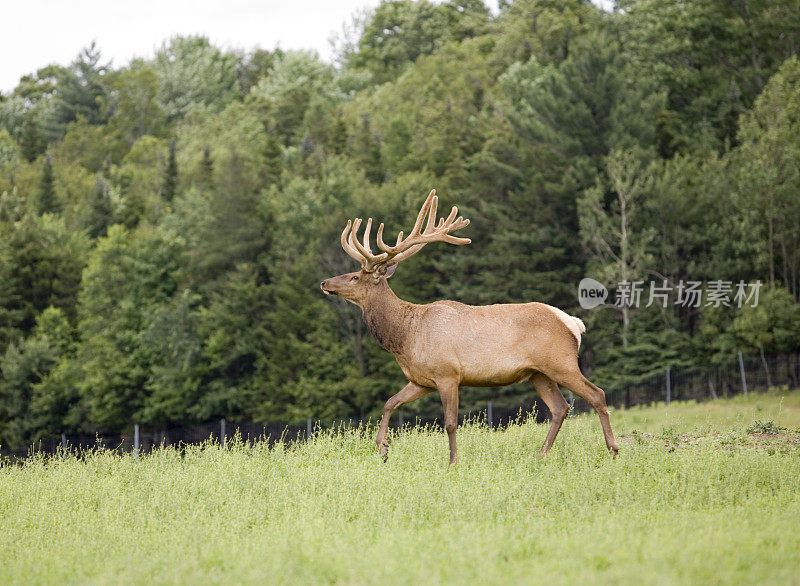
pixel 692 498
pixel 779 405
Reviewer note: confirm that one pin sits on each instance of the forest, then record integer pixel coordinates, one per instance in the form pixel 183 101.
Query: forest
pixel 165 225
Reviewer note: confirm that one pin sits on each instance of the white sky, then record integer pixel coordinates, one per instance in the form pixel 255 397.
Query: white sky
pixel 36 33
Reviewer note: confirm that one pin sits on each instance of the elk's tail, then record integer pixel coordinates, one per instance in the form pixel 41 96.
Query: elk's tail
pixel 577 327
pixel 580 324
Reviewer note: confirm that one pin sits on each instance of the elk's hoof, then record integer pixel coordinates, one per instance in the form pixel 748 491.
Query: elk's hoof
pixel 383 450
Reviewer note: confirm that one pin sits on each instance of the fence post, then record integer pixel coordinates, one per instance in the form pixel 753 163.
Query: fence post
pixel 489 414
pixel 222 437
pixel 741 370
pixel 136 440
pixel 669 387
pixel 309 429
pixel 64 441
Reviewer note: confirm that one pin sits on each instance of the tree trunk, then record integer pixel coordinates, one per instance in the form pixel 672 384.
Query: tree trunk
pixel 766 366
pixel 625 323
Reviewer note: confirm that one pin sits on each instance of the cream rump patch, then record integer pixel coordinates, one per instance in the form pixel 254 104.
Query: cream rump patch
pixel 575 324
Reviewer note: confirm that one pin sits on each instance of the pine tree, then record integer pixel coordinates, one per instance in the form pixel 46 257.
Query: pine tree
pixel 170 175
pixel 31 141
pixel 366 149
pixel 206 169
pixel 82 89
pixel 101 216
pixel 48 203
pixel 273 160
pixel 339 138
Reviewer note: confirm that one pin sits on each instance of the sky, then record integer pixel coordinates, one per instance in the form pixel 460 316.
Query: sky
pixel 39 32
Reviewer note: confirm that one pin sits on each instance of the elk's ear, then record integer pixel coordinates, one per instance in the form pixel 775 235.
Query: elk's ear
pixel 390 271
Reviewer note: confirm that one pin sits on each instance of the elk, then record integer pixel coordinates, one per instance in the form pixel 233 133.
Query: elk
pixel 443 345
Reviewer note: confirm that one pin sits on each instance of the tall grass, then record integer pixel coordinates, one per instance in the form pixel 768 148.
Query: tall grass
pixel 779 405
pixel 716 509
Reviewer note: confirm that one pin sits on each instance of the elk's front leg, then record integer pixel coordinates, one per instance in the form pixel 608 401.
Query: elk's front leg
pixel 448 391
pixel 410 392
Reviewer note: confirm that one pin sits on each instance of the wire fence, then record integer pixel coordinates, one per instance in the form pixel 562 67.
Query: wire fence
pixel 736 376
pixel 699 383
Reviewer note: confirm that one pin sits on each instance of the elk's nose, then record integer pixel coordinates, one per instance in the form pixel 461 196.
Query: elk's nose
pixel 322 285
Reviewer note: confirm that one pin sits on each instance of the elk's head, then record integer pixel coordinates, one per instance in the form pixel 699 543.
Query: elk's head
pixel 376 268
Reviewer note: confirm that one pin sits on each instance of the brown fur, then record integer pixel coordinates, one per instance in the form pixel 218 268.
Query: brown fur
pixel 443 345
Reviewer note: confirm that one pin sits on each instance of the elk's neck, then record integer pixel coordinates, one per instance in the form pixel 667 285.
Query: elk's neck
pixel 388 317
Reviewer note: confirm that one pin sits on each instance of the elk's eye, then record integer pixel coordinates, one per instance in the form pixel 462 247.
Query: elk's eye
pixel 354 278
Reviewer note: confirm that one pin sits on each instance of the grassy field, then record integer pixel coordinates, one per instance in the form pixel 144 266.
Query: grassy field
pixel 694 497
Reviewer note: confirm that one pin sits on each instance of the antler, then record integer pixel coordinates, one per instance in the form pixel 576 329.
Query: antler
pixel 403 248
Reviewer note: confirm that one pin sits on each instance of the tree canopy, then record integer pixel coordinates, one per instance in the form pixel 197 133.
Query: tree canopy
pixel 164 225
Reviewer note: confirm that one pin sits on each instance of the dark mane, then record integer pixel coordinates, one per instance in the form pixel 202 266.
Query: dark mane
pixel 389 331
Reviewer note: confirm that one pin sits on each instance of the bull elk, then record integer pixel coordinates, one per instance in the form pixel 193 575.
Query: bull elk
pixel 443 345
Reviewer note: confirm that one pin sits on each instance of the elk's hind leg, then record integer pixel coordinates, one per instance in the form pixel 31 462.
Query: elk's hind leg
pixel 410 392
pixel 555 401
pixel 594 395
pixel 448 391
